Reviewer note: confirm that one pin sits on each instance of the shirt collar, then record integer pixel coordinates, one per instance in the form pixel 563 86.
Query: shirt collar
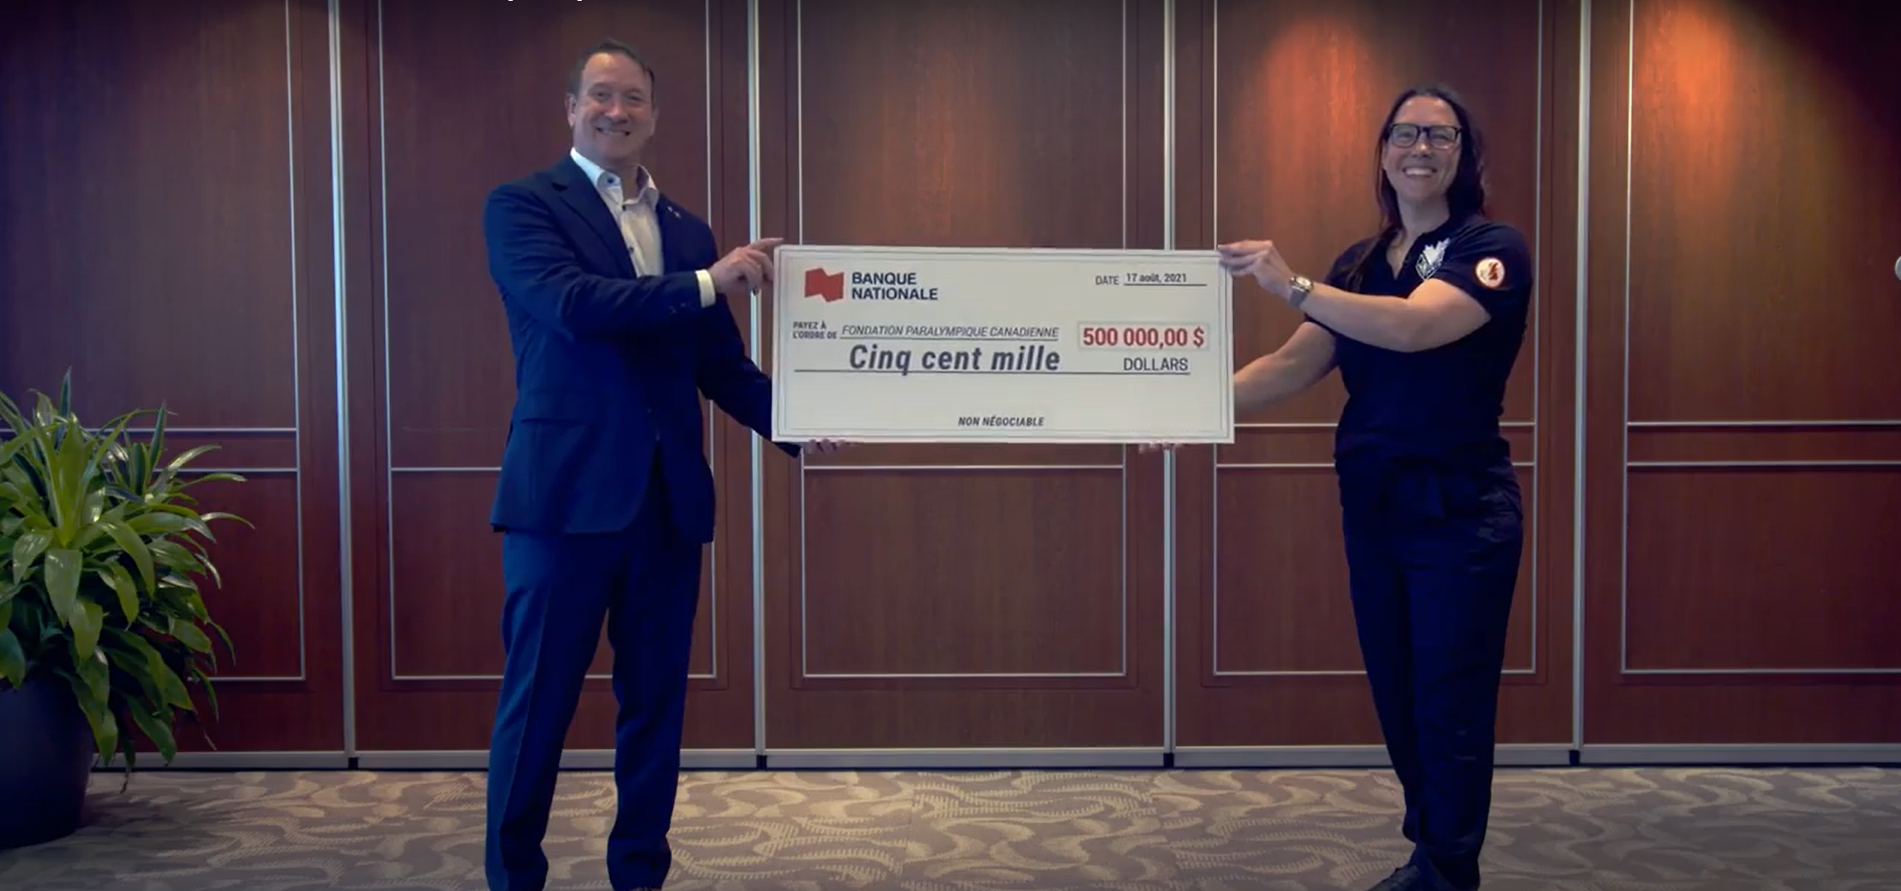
pixel 609 184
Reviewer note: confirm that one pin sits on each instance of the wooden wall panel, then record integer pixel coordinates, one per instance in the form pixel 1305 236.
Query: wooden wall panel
pixel 1282 107
pixel 164 237
pixel 1745 410
pixel 1743 430
pixel 948 596
pixel 453 105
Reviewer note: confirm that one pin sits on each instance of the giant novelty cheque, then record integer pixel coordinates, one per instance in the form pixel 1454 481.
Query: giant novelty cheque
pixel 883 344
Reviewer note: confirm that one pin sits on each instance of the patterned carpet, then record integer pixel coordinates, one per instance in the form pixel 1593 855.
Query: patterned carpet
pixel 1220 830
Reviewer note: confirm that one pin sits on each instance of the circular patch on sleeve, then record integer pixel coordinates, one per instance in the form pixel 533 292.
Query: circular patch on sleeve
pixel 1491 272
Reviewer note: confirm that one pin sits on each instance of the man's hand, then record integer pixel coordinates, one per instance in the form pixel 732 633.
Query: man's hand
pixel 826 446
pixel 746 269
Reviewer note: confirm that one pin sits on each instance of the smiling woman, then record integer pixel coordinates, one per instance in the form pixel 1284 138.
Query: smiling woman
pixel 1425 321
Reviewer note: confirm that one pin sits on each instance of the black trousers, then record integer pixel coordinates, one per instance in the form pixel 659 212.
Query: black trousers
pixel 1433 553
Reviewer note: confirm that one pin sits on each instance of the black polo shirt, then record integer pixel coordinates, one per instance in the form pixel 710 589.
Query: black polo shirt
pixel 1443 404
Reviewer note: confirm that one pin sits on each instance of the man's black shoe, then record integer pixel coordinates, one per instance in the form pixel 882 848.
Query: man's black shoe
pixel 1405 878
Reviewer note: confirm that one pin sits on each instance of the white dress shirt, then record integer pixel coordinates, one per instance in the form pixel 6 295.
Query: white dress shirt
pixel 639 220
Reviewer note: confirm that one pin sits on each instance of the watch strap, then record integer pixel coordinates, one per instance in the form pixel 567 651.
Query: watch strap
pixel 1302 286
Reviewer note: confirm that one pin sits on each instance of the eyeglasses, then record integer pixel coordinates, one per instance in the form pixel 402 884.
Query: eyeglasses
pixel 1437 136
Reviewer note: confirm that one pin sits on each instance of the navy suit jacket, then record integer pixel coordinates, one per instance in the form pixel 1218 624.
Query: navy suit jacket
pixel 608 365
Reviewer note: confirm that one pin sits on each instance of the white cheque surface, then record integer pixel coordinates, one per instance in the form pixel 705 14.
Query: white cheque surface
pixel 879 344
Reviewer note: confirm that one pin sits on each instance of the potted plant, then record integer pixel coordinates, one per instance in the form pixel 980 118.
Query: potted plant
pixel 103 633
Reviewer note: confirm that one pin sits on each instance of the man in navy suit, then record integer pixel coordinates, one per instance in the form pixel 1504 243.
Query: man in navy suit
pixel 617 309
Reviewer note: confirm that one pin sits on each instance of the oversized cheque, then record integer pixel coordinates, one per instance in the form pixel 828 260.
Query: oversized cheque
pixel 874 344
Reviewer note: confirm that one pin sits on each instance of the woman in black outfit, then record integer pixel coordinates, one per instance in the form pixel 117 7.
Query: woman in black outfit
pixel 1424 320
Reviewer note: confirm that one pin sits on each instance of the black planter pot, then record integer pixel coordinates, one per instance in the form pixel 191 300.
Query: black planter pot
pixel 46 758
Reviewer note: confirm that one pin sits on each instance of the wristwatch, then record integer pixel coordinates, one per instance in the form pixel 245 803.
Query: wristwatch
pixel 1301 287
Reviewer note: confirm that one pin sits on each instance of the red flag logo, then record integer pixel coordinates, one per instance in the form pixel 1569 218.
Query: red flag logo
pixel 828 286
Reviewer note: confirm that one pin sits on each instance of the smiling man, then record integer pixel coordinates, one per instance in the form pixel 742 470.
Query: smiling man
pixel 616 299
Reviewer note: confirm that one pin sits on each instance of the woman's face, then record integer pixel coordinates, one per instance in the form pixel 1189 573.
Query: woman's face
pixel 1421 154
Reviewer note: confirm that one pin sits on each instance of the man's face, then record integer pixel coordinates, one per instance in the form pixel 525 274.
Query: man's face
pixel 613 116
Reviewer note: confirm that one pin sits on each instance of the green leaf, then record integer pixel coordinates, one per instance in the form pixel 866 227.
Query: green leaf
pixel 220 476
pixel 188 519
pixel 120 581
pixel 162 523
pixel 90 536
pixel 10 413
pixel 172 686
pixel 155 728
pixel 189 456
pixel 12 658
pixel 34 441
pixel 158 438
pixel 97 674
pixel 20 474
pixel 131 753
pixel 174 555
pixel 135 548
pixel 112 438
pixel 117 425
pixel 180 596
pixel 62 581
pixel 189 635
pixel 105 728
pixel 211 569
pixel 134 461
pixel 43 412
pixel 216 629
pixel 211 692
pixel 165 685
pixel 88 620
pixel 33 624
pixel 73 468
pixel 28 549
pixel 133 662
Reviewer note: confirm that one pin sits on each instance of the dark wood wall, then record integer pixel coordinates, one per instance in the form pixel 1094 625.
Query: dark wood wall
pixel 1274 660
pixel 166 221
pixel 1743 402
pixel 266 214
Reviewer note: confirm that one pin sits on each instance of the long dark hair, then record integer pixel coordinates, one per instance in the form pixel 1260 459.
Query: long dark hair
pixel 1464 197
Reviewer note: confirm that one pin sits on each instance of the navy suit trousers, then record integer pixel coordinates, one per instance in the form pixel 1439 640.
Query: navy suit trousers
pixel 643 585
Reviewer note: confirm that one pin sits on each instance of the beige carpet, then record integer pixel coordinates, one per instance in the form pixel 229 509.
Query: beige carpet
pixel 1577 829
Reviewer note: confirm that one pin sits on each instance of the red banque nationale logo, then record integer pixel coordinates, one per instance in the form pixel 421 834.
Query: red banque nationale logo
pixel 829 286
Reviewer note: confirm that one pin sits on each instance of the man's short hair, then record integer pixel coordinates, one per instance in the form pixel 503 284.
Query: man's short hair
pixel 614 47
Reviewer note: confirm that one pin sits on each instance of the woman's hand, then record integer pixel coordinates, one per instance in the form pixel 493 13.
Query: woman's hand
pixel 1263 261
